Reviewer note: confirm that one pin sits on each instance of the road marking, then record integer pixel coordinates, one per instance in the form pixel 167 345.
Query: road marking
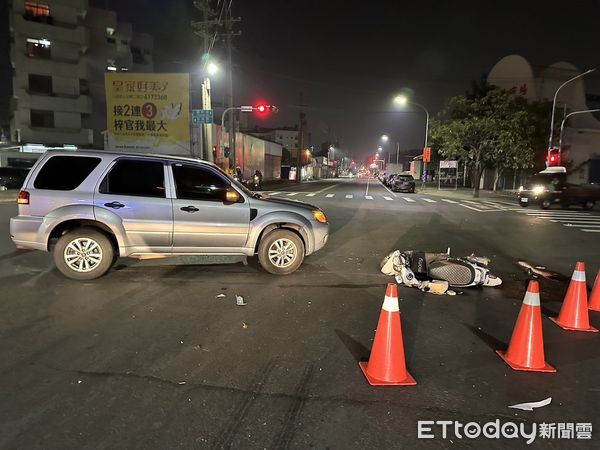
pixel 470 207
pixel 410 200
pixel 311 195
pixel 275 193
pixel 590 220
pixel 449 201
pixel 390 199
pixel 545 213
pixel 590 231
pixel 428 200
pixel 349 195
pixel 367 191
pixel 329 195
pixel 291 194
pixel 580 226
pixel 507 203
pixel 386 188
pixel 327 188
pixel 472 202
pixel 368 197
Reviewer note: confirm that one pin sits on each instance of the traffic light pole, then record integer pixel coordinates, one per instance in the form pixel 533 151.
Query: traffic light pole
pixel 564 121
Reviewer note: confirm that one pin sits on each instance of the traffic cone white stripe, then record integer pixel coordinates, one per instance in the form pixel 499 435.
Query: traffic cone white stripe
pixel 531 299
pixel 578 275
pixel 390 304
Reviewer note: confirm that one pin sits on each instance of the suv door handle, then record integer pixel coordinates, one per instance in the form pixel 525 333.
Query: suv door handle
pixel 115 205
pixel 190 209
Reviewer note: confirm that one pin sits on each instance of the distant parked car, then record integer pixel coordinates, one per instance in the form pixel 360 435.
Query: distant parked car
pixel 403 182
pixel 12 177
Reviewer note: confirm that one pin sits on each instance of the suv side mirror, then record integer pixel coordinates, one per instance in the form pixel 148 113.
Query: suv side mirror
pixel 230 196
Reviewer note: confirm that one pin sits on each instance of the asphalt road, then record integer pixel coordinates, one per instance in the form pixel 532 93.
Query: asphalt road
pixel 149 357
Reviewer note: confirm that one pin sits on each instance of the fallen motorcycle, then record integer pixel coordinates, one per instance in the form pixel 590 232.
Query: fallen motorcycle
pixel 422 269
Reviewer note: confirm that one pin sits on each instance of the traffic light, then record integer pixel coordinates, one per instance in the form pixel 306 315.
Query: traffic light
pixel 261 108
pixel 553 158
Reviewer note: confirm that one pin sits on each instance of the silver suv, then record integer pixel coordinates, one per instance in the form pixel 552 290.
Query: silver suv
pixel 89 208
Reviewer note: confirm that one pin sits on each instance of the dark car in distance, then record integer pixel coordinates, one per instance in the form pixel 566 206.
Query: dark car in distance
pixel 403 182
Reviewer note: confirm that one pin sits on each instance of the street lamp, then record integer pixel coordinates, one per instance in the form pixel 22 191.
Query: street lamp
pixel 209 68
pixel 554 104
pixel 212 68
pixel 402 100
pixel 564 121
pixel 385 138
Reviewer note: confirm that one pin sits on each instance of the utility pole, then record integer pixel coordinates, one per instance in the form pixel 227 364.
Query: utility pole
pixel 301 131
pixel 229 35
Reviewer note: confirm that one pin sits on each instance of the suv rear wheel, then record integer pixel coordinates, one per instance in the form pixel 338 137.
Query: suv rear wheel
pixel 281 252
pixel 83 254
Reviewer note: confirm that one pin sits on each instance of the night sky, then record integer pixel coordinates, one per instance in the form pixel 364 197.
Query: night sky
pixel 348 58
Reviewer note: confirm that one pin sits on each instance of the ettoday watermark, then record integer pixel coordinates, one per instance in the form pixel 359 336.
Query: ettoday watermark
pixel 529 432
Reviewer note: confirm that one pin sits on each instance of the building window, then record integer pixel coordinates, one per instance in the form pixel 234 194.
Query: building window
pixel 111 40
pixel 111 65
pixel 110 31
pixel 138 55
pixel 40 84
pixel 43 119
pixel 38 48
pixel 84 87
pixel 125 42
pixel 37 11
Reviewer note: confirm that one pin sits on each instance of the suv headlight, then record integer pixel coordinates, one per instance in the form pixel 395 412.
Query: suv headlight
pixel 537 190
pixel 319 216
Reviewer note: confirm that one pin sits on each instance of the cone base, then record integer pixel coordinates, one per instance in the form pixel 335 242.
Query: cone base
pixel 591 329
pixel 408 381
pixel 546 368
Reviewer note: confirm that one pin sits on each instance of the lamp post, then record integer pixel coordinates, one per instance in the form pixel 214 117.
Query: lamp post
pixel 564 121
pixel 554 104
pixel 402 100
pixel 386 138
pixel 332 151
pixel 209 69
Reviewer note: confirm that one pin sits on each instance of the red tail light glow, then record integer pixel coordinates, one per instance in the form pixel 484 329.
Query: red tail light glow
pixel 23 198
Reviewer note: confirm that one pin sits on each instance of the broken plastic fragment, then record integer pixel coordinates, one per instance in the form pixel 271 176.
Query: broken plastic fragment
pixel 244 325
pixel 220 296
pixel 240 300
pixel 530 406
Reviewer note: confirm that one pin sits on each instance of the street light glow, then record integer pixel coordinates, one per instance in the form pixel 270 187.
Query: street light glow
pixel 385 138
pixel 401 100
pixel 212 68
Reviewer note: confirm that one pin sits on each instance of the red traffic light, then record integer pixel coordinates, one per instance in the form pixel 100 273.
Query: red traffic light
pixel 263 109
pixel 553 158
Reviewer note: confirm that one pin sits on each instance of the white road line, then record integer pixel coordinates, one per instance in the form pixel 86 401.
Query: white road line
pixel 329 195
pixel 572 225
pixel 410 200
pixel 470 207
pixel 561 216
pixel 368 197
pixel 327 188
pixel 311 195
pixel 472 202
pixel 291 194
pixel 349 195
pixel 386 188
pixel 590 220
pixel 507 203
pixel 428 200
pixel 390 199
pixel 590 231
pixel 449 201
pixel 275 193
pixel 557 213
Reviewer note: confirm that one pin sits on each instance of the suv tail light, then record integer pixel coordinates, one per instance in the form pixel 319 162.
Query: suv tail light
pixel 23 198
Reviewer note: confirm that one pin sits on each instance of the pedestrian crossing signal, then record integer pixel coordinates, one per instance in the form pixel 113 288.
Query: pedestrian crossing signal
pixel 553 158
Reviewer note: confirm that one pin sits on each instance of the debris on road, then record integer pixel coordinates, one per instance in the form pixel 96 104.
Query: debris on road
pixel 220 296
pixel 436 272
pixel 536 270
pixel 240 300
pixel 244 325
pixel 530 406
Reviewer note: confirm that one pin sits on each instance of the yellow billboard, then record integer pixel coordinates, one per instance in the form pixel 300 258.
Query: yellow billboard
pixel 148 112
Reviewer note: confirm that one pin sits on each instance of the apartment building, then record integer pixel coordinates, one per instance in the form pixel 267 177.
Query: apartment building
pixel 60 51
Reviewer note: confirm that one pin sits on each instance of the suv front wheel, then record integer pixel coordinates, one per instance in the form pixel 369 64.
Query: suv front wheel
pixel 83 254
pixel 281 252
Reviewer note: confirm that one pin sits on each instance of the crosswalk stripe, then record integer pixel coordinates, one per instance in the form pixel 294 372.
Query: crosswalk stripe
pixel 349 195
pixel 310 195
pixel 576 225
pixel 590 220
pixel 590 231
pixel 408 199
pixel 389 199
pixel 428 200
pixel 291 194
pixel 555 213
pixel 472 202
pixel 368 197
pixel 329 195
pixel 449 201
pixel 275 193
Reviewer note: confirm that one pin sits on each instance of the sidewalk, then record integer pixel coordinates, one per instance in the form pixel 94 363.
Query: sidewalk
pixel 467 193
pixel 9 196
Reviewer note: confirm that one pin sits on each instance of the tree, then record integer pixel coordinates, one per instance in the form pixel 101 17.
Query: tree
pixel 496 130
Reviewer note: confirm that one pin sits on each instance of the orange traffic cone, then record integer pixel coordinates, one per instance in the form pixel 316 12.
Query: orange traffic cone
pixel 574 311
pixel 387 366
pixel 595 297
pixel 526 348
